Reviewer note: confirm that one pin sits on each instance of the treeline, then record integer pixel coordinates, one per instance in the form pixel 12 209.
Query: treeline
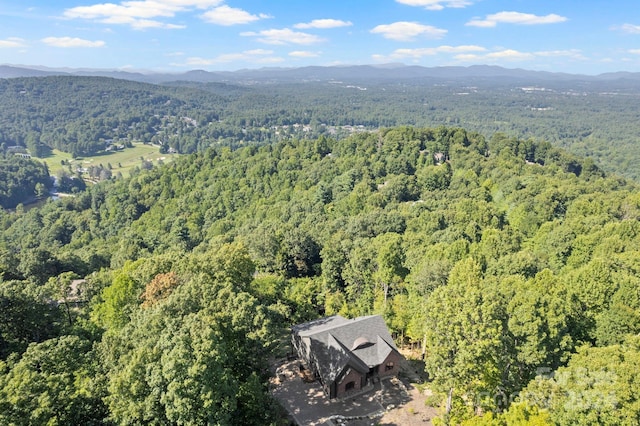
pixel 512 264
pixel 83 115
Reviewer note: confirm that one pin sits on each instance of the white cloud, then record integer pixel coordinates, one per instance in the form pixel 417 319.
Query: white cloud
pixel 510 55
pixel 71 42
pixel 143 24
pixel 427 51
pixel 199 4
pixel 518 18
pixel 255 56
pixel 268 60
pixel 304 54
pixel 258 52
pixel 467 57
pixel 634 51
pixel 138 14
pixel 571 53
pixel 225 15
pixel 196 61
pixel 436 4
pixel 463 48
pixel 283 36
pixel 323 24
pixel 408 31
pixel 628 28
pixel 493 57
pixel 12 42
pixel 515 55
pixel 247 55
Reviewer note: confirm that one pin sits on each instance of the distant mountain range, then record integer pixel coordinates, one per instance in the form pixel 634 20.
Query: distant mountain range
pixel 350 74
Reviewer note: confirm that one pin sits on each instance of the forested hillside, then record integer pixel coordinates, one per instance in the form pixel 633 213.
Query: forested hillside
pixel 83 115
pixel 514 265
pixel 21 179
pixel 80 114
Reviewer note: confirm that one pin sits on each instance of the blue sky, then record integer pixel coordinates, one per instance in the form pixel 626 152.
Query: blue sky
pixel 577 36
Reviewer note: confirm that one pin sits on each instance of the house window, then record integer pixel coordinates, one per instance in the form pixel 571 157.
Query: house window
pixel 389 366
pixel 349 386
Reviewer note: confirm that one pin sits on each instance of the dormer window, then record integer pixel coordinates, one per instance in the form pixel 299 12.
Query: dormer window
pixel 361 342
pixel 389 366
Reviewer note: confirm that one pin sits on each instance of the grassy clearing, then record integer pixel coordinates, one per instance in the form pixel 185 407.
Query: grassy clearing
pixel 121 161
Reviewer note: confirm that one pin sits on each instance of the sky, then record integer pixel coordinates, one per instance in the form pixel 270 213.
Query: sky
pixel 574 36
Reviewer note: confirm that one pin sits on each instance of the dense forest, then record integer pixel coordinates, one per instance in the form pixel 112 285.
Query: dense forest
pixel 83 115
pixel 160 298
pixel 22 179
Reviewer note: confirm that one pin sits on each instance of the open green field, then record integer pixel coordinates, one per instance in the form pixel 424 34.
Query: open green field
pixel 121 161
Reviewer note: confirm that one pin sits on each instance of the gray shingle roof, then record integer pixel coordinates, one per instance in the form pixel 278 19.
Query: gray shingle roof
pixel 318 325
pixel 331 339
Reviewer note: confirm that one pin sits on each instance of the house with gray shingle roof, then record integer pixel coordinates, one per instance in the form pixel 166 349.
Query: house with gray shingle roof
pixel 347 355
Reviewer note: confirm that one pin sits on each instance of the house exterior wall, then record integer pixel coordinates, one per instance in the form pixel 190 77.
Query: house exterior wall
pixel 302 349
pixel 299 346
pixel 394 358
pixel 350 376
pixel 314 353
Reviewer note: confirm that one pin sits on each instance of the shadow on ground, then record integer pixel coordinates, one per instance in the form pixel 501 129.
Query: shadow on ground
pixel 307 404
